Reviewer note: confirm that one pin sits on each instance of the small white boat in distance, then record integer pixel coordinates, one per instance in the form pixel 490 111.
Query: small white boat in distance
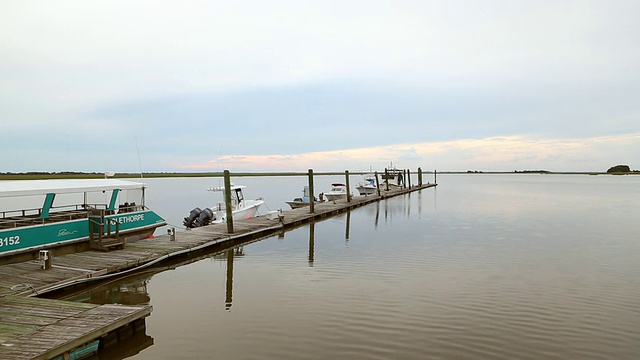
pixel 368 186
pixel 338 191
pixel 241 208
pixel 303 201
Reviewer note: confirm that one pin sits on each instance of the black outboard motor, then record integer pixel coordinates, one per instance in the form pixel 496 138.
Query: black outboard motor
pixel 188 221
pixel 206 215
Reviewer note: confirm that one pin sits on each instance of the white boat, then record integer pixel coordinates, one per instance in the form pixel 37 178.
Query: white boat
pixel 368 186
pixel 85 213
pixel 241 208
pixel 303 201
pixel 338 192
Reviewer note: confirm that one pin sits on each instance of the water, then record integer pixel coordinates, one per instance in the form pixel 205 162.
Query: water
pixel 481 267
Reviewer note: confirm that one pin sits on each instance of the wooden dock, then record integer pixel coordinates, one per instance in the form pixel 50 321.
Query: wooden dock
pixel 39 333
pixel 33 328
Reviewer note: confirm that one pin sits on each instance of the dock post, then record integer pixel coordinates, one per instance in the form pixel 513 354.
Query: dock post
pixel 420 177
pixel 346 176
pixel 172 234
pixel 227 201
pixel 435 173
pixel 404 183
pixel 409 178
pixel 311 192
pixel 377 183
pixel 386 177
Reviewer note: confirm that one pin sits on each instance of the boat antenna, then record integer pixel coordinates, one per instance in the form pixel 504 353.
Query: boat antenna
pixel 138 150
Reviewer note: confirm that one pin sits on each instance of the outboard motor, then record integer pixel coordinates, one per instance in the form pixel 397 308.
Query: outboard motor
pixel 206 215
pixel 188 221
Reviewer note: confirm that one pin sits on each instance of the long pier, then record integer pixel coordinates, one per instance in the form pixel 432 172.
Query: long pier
pixel 50 331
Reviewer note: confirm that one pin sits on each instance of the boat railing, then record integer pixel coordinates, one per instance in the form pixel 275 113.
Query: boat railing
pixel 30 217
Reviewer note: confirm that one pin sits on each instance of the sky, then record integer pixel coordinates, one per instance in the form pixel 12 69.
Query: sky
pixel 201 86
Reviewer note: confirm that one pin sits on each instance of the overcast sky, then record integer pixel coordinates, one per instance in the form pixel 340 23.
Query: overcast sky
pixel 452 85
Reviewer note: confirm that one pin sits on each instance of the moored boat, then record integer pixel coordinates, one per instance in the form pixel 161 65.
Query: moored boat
pixel 241 208
pixel 71 212
pixel 305 200
pixel 368 186
pixel 338 192
pixel 391 173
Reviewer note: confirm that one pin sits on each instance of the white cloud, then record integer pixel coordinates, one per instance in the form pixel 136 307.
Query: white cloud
pixel 469 69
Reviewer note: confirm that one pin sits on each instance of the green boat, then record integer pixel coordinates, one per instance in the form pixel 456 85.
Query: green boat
pixel 71 215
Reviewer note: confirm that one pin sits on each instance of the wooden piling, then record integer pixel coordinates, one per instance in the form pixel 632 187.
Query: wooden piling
pixel 419 176
pixel 386 177
pixel 377 183
pixel 346 177
pixel 227 201
pixel 311 192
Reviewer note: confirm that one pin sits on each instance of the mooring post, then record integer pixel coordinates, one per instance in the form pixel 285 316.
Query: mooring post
pixel 346 176
pixel 311 192
pixel 435 173
pixel 227 201
pixel 409 177
pixel 386 177
pixel 419 177
pixel 377 183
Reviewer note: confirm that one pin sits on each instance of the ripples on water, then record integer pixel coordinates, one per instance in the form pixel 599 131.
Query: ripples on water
pixel 482 267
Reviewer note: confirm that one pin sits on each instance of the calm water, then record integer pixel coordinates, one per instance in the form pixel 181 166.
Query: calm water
pixel 481 267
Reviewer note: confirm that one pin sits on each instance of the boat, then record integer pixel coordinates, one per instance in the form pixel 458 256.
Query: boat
pixel 338 192
pixel 241 208
pixel 72 214
pixel 391 173
pixel 303 201
pixel 368 186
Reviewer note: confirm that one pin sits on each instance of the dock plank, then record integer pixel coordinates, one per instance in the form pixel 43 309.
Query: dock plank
pixel 34 328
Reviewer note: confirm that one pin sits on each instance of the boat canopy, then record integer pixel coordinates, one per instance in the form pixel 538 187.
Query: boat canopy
pixel 14 188
pixel 221 188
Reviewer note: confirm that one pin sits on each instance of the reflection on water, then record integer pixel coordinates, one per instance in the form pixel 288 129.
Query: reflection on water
pixel 500 267
pixel 129 291
pixel 312 228
pixel 229 293
pixel 126 348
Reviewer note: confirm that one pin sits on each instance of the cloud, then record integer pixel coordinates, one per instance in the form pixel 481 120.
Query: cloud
pixel 93 83
pixel 487 154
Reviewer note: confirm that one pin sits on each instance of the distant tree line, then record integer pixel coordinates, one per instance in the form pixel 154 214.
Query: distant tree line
pixel 620 169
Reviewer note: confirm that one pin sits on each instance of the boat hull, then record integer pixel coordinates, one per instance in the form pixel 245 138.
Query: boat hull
pixel 297 204
pixel 333 197
pixel 366 190
pixel 132 226
pixel 247 211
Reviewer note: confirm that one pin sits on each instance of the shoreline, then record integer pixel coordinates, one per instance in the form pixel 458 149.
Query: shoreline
pixel 82 175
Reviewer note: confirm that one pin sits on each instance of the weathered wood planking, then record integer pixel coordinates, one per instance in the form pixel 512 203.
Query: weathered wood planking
pixel 34 328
